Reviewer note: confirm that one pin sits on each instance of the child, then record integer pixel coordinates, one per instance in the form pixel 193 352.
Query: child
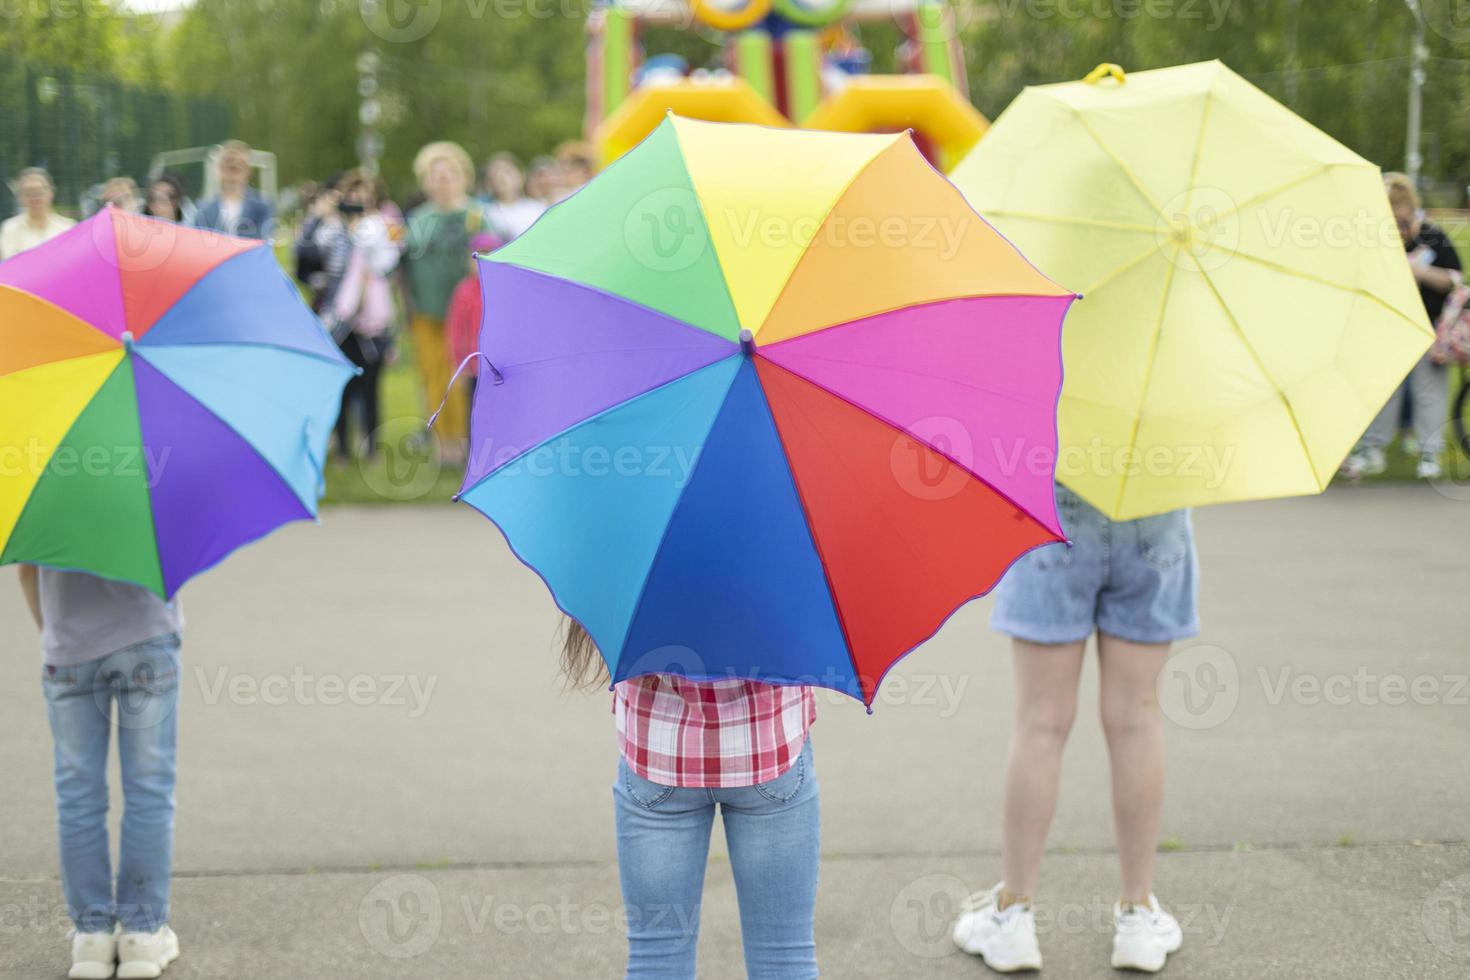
pixel 687 748
pixel 1135 584
pixel 462 319
pixel 102 642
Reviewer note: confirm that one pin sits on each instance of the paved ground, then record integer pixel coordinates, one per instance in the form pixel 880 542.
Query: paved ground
pixel 381 777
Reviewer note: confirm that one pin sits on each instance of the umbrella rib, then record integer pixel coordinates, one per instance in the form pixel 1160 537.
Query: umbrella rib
pixel 1148 370
pixel 1307 276
pixel 1273 191
pixel 1260 366
pixel 807 250
pixel 812 532
pixel 1120 270
pixel 1132 177
pixel 664 535
pixel 1065 220
pixel 1199 145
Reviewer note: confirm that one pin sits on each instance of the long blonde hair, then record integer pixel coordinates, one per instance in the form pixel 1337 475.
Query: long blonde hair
pixel 581 664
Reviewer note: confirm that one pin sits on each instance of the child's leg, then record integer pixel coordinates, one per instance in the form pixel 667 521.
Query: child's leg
pixel 147 720
pixel 1134 727
pixel 79 716
pixel 663 847
pixel 1046 704
pixel 773 834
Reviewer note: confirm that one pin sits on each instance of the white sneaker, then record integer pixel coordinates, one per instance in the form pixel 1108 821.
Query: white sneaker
pixel 1428 469
pixel 1004 938
pixel 1144 936
pixel 144 955
pixel 93 955
pixel 1366 462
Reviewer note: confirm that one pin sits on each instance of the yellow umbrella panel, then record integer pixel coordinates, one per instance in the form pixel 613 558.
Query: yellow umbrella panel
pixel 1247 305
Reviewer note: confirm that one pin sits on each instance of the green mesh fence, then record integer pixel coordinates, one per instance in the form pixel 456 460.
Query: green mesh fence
pixel 85 128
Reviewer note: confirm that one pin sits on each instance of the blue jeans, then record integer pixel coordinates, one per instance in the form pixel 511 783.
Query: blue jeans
pixel 143 681
pixel 663 847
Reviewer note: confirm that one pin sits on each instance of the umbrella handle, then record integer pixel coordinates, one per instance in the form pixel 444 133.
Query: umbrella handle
pixel 1106 70
pixel 495 378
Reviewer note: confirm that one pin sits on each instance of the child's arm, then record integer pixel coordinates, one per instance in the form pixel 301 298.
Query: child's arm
pixel 31 590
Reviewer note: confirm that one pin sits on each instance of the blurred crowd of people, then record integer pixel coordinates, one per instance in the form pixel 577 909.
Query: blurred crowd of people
pixel 370 269
pixel 373 270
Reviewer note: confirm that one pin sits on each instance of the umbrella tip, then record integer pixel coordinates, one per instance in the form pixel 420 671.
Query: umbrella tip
pixel 127 340
pixel 747 342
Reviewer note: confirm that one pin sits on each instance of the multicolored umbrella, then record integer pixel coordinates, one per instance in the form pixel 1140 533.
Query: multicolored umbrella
pixel 767 404
pixel 1248 309
pixel 165 397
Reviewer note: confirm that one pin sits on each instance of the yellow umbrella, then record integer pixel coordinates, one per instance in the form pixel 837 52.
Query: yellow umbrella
pixel 1247 304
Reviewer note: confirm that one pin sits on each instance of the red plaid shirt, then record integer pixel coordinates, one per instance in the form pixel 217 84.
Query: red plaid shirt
pixel 728 733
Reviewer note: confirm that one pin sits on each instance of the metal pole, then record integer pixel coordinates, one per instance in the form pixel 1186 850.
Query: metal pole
pixel 1413 159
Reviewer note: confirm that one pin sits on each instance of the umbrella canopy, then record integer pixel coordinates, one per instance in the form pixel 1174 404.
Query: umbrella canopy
pixel 165 397
pixel 1248 307
pixel 766 403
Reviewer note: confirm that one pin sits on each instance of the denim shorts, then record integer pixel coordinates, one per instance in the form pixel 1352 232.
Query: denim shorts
pixel 1136 580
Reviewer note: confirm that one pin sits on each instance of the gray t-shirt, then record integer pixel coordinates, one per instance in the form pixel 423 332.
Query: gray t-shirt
pixel 86 618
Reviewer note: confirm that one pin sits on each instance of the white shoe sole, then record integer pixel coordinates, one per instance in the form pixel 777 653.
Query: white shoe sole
pixel 1149 961
pixel 90 971
pixel 144 970
pixel 1001 964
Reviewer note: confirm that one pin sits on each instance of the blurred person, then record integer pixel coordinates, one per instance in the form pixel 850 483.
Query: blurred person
pixel 1437 270
pixel 238 209
pixel 321 208
pixel 357 305
pixel 1135 585
pixel 576 164
pixel 466 309
pixel 105 641
pixel 37 222
pixel 542 180
pixel 121 193
pixel 509 210
pixel 438 237
pixel 165 198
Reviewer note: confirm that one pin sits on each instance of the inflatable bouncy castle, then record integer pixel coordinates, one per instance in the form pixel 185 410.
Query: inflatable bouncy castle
pixel 783 63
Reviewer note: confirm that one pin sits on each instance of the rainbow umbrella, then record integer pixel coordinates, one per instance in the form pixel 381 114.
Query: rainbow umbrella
pixel 767 404
pixel 165 397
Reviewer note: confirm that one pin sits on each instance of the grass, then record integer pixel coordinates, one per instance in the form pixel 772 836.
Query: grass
pixel 404 467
